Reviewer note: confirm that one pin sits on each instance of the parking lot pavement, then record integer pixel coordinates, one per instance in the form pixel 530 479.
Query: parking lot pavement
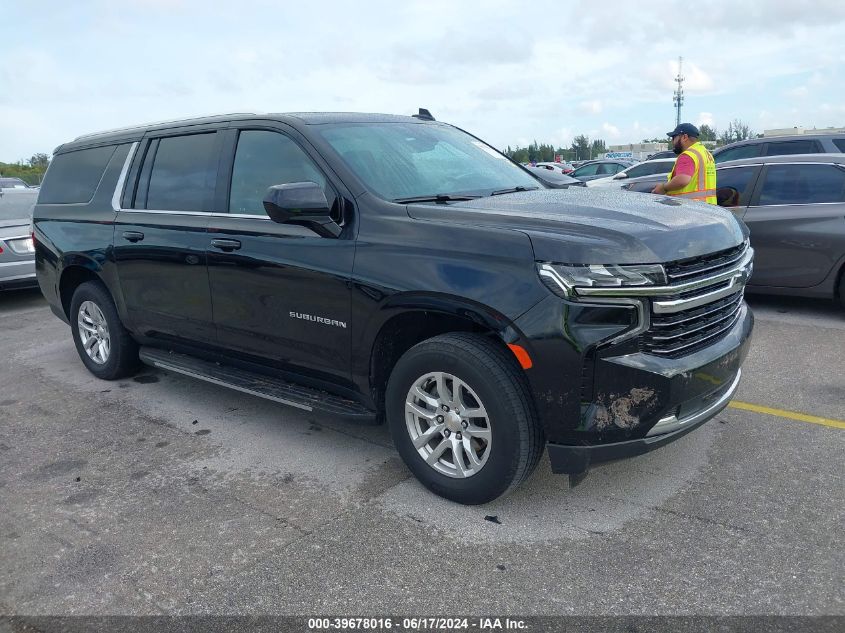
pixel 162 495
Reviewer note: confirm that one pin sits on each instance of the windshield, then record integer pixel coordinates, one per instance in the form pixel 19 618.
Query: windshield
pixel 408 160
pixel 17 205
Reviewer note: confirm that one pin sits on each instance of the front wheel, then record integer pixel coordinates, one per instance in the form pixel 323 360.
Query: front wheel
pixel 461 417
pixel 103 344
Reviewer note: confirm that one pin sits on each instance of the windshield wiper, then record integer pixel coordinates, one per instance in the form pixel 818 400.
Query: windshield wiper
pixel 437 197
pixel 513 190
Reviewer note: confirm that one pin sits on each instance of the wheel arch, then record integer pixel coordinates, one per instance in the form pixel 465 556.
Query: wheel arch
pixel 76 271
pixel 411 319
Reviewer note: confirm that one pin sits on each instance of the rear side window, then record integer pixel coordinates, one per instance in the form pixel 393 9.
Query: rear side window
pixel 782 148
pixel 183 173
pixel 803 184
pixel 649 169
pixel 73 176
pixel 745 151
pixel 840 144
pixel 734 186
pixel 587 170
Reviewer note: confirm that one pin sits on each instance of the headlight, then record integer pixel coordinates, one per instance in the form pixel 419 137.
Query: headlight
pixel 562 278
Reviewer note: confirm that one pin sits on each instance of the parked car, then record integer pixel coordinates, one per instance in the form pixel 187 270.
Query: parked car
pixel 13 183
pixel 794 207
pixel 555 179
pixel 398 269
pixel 781 146
pixel 17 254
pixel 658 167
pixel 662 155
pixel 600 169
pixel 562 167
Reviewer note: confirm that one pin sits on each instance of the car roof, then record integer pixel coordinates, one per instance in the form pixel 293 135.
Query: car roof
pixel 785 158
pixel 655 160
pixel 135 132
pixel 783 137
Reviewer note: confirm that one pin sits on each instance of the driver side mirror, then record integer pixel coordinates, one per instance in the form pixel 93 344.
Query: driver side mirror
pixel 301 203
pixel 620 175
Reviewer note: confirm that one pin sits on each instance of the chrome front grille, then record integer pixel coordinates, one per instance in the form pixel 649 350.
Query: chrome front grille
pixel 694 268
pixel 687 331
pixel 699 317
pixel 698 306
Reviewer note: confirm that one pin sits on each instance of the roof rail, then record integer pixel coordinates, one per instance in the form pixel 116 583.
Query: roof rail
pixel 424 115
pixel 155 123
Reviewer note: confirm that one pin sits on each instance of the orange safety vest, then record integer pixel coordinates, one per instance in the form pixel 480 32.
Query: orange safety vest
pixel 702 185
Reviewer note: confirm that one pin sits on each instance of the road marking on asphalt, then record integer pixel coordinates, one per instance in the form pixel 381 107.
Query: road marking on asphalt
pixel 792 415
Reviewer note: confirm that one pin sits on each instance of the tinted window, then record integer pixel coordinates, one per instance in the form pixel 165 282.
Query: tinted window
pixel 792 147
pixel 649 169
pixel 840 144
pixel 803 184
pixel 587 170
pixel 183 173
pixel 746 151
pixel 73 177
pixel 12 183
pixel 734 186
pixel 264 159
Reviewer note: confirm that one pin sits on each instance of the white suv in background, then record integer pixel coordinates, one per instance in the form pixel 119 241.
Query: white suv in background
pixel 648 168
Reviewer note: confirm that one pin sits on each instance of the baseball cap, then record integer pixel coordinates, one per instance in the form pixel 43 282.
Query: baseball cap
pixel 684 128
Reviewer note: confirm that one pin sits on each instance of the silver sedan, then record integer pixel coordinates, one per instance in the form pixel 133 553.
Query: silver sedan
pixel 17 252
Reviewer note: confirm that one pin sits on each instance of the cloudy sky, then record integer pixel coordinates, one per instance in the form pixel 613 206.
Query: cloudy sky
pixel 508 71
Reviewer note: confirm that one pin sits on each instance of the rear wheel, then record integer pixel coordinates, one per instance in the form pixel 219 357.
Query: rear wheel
pixel 102 342
pixel 461 418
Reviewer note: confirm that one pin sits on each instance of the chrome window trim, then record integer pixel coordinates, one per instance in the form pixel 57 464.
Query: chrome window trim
pixel 249 216
pixel 673 423
pixel 795 204
pixel 657 291
pixel 121 180
pixel 164 211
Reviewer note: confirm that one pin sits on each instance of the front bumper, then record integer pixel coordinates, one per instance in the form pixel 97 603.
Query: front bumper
pixel 575 460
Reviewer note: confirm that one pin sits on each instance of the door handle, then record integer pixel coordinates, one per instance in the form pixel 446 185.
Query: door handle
pixel 133 236
pixel 226 245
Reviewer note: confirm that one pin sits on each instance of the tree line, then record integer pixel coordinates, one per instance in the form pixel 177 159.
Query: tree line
pixel 582 148
pixel 30 171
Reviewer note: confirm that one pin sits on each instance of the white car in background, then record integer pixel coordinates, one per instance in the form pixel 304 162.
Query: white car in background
pixel 560 168
pixel 647 168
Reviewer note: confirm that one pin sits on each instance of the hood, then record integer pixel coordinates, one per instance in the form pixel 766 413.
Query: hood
pixel 594 226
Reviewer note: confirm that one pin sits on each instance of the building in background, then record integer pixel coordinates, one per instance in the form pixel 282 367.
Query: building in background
pixel 795 131
pixel 636 151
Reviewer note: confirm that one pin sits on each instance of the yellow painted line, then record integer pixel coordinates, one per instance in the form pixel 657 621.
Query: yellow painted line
pixel 792 415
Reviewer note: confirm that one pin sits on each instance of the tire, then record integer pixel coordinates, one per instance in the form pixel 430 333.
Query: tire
pixel 96 327
pixel 473 459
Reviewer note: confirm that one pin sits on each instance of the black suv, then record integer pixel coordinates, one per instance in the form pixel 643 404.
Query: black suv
pixel 398 269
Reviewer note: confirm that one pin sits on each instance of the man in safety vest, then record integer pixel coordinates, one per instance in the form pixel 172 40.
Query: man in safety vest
pixel 694 175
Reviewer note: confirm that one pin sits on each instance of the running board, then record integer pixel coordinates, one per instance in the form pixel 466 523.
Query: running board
pixel 304 398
